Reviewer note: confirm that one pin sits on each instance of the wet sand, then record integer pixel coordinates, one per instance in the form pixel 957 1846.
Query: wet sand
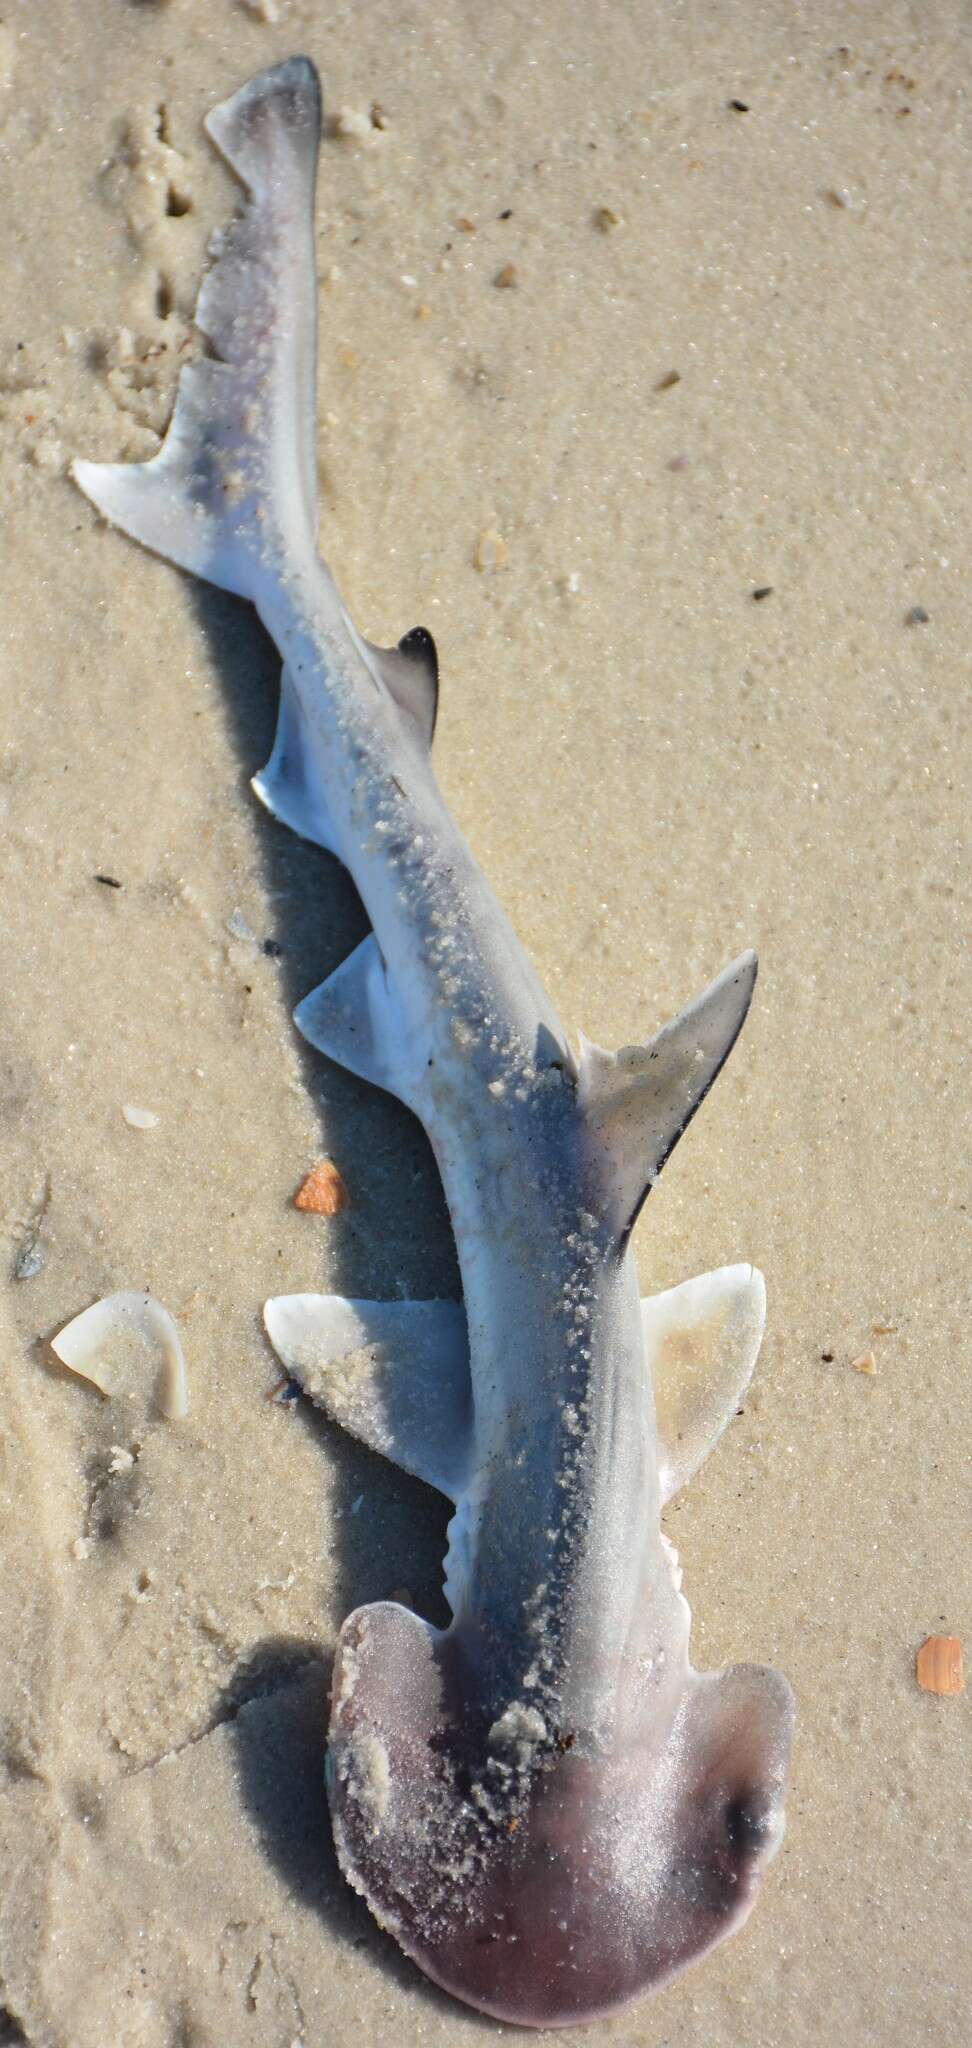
pixel 655 767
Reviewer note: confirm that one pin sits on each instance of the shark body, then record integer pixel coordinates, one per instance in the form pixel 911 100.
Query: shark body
pixel 544 1803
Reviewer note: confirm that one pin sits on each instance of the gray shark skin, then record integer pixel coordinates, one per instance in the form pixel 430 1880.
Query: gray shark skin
pixel 544 1803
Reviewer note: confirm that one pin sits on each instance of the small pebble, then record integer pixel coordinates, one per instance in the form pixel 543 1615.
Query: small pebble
pixel 47 454
pixel 238 926
pixel 507 277
pixel 669 381
pixel 29 1260
pixel 607 220
pixel 845 201
pixel 491 551
pixel 866 1363
pixel 140 1119
pixel 8 46
pixel 284 1390
pixel 917 616
pixel 354 126
pixel 762 590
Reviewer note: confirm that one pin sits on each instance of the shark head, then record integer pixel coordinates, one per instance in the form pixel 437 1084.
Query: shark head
pixel 536 1878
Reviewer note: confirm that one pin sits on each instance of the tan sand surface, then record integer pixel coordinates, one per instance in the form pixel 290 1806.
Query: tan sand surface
pixel 655 769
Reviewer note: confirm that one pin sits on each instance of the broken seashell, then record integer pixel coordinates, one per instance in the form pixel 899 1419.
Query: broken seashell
pixel 140 1119
pixel 491 550
pixel 866 1363
pixel 113 1341
pixel 938 1666
pixel 323 1192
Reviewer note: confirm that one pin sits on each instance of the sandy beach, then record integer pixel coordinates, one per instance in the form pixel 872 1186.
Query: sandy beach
pixel 644 383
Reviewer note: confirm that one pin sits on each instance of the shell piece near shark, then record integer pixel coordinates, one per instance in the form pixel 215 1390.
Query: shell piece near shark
pixel 396 1375
pixel 123 1342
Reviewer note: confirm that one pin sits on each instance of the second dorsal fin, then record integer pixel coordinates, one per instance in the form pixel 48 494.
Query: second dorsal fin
pixel 410 672
pixel 637 1102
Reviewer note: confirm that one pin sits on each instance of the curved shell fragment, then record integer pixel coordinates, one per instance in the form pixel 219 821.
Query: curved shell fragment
pixel 119 1341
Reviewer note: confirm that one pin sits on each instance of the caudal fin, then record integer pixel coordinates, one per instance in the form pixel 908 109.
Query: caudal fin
pixel 232 489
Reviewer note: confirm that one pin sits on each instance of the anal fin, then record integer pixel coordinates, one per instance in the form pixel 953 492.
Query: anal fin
pixel 394 1374
pixel 288 785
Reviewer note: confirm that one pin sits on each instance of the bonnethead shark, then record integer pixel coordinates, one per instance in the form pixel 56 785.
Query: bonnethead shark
pixel 544 1803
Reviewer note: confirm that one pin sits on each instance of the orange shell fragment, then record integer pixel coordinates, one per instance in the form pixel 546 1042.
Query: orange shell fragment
pixel 323 1192
pixel 938 1667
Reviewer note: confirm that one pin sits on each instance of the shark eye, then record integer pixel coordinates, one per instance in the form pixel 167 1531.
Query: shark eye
pixel 745 1822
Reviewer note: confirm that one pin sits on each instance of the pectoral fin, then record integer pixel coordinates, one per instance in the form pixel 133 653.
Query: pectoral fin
pixel 395 1374
pixel 701 1341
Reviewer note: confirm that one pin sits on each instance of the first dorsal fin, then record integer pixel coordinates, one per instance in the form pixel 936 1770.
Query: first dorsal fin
pixel 410 672
pixel 637 1102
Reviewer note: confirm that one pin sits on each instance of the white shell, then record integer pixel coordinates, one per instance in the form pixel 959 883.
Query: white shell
pixel 98 1346
pixel 140 1119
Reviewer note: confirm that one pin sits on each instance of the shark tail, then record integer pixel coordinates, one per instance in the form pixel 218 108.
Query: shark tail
pixel 232 493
